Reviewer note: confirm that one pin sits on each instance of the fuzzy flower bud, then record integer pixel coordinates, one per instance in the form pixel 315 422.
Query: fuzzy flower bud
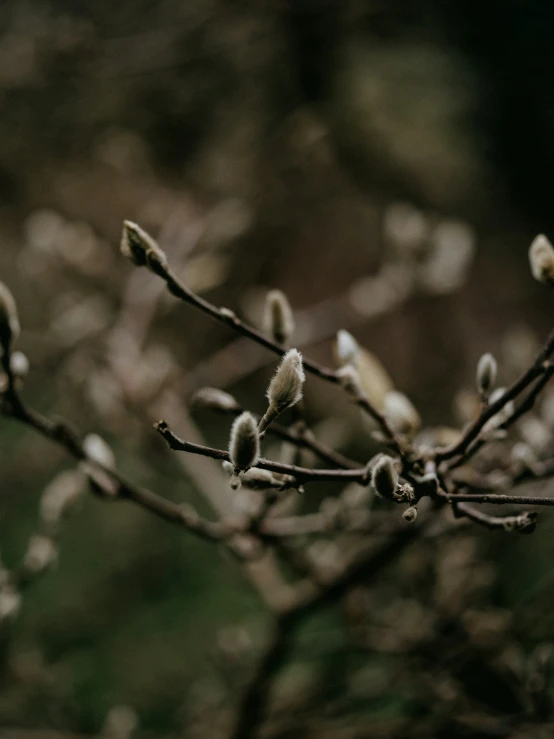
pixel 285 388
pixel 400 412
pixel 244 444
pixel 486 373
pixel 140 247
pixel 348 349
pixel 98 450
pixel 218 400
pixel 410 514
pixel 384 477
pixel 19 364
pixel 278 316
pixel 41 554
pixel 9 321
pixel 258 479
pixel 541 259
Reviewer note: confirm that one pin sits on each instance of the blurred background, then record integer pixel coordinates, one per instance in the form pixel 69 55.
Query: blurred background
pixel 386 165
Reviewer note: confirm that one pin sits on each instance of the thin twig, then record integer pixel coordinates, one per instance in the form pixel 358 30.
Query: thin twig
pixel 497 499
pixel 303 440
pixel 227 317
pixel 540 366
pixel 524 522
pixel 302 474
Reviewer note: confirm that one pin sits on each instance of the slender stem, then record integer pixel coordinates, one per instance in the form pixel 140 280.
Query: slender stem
pixel 522 522
pixel 60 433
pixel 497 499
pixel 540 366
pixel 226 316
pixel 302 474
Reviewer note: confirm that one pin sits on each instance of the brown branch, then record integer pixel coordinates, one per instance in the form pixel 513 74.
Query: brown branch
pixel 524 523
pixel 227 317
pixel 302 474
pixel 363 568
pixel 496 499
pixel 540 366
pixel 60 433
pixel 303 440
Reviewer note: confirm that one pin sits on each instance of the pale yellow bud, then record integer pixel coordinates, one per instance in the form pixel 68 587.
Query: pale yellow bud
pixel 401 413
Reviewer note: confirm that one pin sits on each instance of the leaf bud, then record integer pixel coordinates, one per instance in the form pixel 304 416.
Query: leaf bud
pixel 541 259
pixel 486 373
pixel 140 247
pixel 384 477
pixel 244 444
pixel 278 316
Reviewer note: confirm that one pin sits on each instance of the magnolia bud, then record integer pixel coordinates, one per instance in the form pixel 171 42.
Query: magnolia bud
pixel 486 373
pixel 541 259
pixel 503 414
pixel 258 479
pixel 400 412
pixel 285 388
pixel 98 450
pixel 349 379
pixel 19 364
pixel 9 321
pixel 244 444
pixel 278 317
pixel 348 349
pixel 140 247
pixel 384 477
pixel 212 397
pixel 10 604
pixel 410 514
pixel 41 554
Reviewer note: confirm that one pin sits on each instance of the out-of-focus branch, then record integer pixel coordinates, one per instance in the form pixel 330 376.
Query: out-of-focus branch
pixel 541 366
pixel 110 483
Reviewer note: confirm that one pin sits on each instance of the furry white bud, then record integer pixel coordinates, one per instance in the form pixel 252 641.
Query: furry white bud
pixel 140 247
pixel 486 373
pixel 244 444
pixel 285 388
pixel 212 397
pixel 9 321
pixel 19 364
pixel 401 413
pixel 278 316
pixel 98 450
pixel 384 477
pixel 41 554
pixel 348 349
pixel 258 479
pixel 541 259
